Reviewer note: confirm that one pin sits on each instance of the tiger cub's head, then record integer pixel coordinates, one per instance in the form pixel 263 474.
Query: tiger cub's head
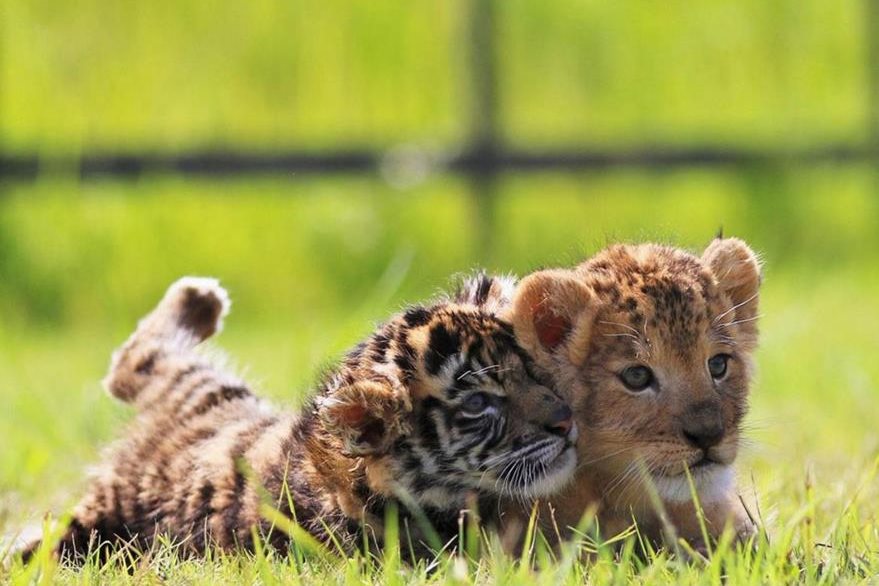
pixel 442 402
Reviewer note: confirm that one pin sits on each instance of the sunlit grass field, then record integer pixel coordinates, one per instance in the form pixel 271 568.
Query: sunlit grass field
pixel 312 265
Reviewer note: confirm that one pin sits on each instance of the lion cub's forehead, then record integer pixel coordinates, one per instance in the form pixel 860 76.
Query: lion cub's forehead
pixel 661 292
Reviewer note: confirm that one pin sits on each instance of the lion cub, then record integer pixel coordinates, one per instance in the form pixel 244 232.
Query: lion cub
pixel 653 347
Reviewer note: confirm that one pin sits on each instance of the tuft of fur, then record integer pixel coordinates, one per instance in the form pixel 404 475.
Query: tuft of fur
pixel 392 424
pixel 490 293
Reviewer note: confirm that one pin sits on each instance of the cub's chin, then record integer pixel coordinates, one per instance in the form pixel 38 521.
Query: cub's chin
pixel 558 472
pixel 541 473
pixel 712 482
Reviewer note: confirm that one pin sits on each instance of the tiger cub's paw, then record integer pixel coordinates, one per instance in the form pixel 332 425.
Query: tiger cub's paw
pixel 197 305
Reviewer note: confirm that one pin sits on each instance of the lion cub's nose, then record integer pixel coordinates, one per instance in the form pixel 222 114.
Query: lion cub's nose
pixel 703 435
pixel 561 421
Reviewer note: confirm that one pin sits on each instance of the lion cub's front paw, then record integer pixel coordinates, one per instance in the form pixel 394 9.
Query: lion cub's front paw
pixel 197 304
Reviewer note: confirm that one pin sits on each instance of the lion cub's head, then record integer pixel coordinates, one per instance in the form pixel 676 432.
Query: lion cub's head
pixel 653 348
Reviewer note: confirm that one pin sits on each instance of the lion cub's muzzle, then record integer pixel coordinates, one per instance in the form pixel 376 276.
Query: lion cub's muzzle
pixel 702 429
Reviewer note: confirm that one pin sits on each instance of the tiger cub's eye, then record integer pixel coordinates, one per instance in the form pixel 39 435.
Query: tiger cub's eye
pixel 717 365
pixel 637 378
pixel 475 403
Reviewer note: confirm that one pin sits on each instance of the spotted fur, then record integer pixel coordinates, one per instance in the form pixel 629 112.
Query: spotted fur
pixel 436 410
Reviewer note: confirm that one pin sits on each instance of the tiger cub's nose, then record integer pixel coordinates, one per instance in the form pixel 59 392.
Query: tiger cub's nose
pixel 561 421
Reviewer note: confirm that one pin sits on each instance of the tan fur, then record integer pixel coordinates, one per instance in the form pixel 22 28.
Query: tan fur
pixel 670 311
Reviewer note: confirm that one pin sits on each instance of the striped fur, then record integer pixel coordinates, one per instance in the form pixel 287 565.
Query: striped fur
pixel 438 409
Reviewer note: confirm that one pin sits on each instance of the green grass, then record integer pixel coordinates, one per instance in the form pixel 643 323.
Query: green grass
pixel 311 265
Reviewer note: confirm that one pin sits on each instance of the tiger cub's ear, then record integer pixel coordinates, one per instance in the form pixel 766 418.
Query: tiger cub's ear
pixel 548 313
pixel 367 416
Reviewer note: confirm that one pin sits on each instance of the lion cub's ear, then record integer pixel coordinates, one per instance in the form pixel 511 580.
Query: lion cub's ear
pixel 367 416
pixel 737 270
pixel 547 311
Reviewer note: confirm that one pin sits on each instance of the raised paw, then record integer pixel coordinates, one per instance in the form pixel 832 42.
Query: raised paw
pixel 197 305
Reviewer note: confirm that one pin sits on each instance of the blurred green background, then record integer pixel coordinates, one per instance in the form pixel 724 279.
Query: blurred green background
pixel 313 261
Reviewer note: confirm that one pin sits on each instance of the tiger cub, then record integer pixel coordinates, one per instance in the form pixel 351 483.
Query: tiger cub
pixel 437 409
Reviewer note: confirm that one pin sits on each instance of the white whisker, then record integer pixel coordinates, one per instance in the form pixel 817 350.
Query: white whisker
pixel 622 325
pixel 735 307
pixel 605 457
pixel 623 335
pixel 741 321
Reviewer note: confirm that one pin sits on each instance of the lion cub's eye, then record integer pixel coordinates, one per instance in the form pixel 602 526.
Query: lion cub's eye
pixel 475 403
pixel 717 365
pixel 637 378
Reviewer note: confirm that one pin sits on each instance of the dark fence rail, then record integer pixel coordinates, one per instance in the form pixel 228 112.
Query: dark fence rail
pixel 216 163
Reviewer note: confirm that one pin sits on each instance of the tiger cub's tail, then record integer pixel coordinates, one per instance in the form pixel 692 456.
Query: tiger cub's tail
pixel 191 311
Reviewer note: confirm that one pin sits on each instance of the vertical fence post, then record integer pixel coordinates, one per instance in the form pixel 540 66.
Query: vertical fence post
pixel 483 122
pixel 871 21
pixel 4 180
pixel 2 100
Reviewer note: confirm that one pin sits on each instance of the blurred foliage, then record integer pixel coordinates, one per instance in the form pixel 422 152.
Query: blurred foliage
pixel 749 72
pixel 317 73
pixel 98 252
pixel 267 73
